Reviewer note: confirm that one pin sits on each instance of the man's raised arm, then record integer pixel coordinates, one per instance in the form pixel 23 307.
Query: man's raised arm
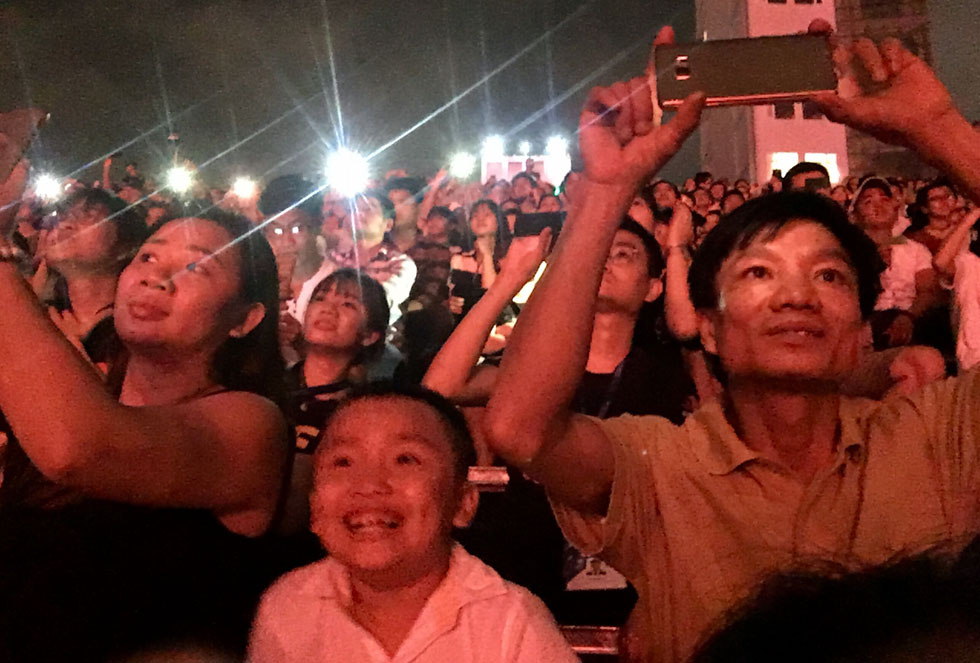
pixel 529 421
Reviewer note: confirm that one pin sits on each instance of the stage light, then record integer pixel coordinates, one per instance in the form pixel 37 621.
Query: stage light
pixel 493 147
pixel 557 146
pixel 524 147
pixel 347 172
pixel 180 179
pixel 462 165
pixel 47 187
pixel 245 188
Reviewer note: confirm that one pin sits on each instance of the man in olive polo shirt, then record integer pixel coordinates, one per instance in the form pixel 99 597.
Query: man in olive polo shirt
pixel 784 471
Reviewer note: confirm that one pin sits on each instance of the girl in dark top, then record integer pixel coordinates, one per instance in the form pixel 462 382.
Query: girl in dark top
pixel 125 521
pixel 344 326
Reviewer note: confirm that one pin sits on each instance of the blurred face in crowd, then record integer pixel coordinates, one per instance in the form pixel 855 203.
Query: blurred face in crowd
pixel 549 204
pixel 500 192
pixel 640 212
pixel 731 202
pixel 742 186
pixel 521 188
pixel 370 223
pixel 336 320
pixel 385 496
pixel 626 282
pixel 336 225
pixel 787 308
pixel 154 215
pixel 875 210
pixel 702 201
pixel 406 207
pixel 663 194
pixel 182 293
pixel 435 227
pixel 291 233
pixel 689 184
pixel 82 239
pixel 941 202
pixel 839 195
pixel 852 184
pixel 717 191
pixel 483 222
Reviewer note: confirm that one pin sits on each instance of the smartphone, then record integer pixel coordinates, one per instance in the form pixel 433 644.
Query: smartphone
pixel 740 72
pixel 816 183
pixel 531 225
pixel 468 286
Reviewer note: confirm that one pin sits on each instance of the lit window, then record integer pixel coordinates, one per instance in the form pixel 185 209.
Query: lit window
pixel 783 161
pixel 828 161
pixel 784 110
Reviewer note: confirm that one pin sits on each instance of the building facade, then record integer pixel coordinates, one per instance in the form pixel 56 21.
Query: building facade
pixel 752 142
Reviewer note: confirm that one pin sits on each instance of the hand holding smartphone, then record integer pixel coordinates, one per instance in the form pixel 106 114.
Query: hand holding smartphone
pixel 732 72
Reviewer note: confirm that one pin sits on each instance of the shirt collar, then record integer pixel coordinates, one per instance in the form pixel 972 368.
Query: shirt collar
pixel 721 450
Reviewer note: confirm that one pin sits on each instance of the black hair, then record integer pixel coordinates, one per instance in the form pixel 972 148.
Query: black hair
pixel 655 260
pixel 130 227
pixel 442 211
pixel 460 439
pixel 286 191
pixel 701 177
pixel 677 192
pixel 828 614
pixel 803 167
pixel 526 175
pixel 503 230
pixel 387 207
pixel 253 362
pixel 411 184
pixel 918 216
pixel 732 192
pixel 372 295
pixel 765 217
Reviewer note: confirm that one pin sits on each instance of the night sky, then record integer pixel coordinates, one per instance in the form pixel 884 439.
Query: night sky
pixel 248 85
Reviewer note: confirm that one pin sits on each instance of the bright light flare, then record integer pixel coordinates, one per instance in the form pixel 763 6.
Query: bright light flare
pixel 462 165
pixel 47 187
pixel 347 172
pixel 557 145
pixel 244 188
pixel 493 147
pixel 525 147
pixel 180 179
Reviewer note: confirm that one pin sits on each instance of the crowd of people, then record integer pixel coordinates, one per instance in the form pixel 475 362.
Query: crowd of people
pixel 238 426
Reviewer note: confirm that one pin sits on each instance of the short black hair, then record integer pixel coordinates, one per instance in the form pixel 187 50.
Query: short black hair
pixel 411 184
pixel 387 207
pixel 803 167
pixel 765 217
pixel 673 186
pixel 655 261
pixel 702 177
pixel 372 295
pixel 460 438
pixel 130 226
pixel 442 211
pixel 526 175
pixel 286 191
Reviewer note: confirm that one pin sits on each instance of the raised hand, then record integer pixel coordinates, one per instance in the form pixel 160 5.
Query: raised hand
pixel 619 137
pixel 524 256
pixel 886 91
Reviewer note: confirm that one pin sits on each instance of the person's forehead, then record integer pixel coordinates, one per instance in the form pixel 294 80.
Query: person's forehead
pixel 797 238
pixel 873 192
pixel 388 420
pixel 290 217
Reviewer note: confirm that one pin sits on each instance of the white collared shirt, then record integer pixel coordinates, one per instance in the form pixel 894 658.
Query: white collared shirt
pixel 474 616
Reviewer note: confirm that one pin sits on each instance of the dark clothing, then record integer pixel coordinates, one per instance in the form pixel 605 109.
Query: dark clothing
pixel 305 411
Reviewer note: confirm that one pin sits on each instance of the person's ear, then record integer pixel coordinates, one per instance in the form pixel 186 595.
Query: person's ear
pixel 254 315
pixel 706 327
pixel 656 289
pixel 370 338
pixel 469 500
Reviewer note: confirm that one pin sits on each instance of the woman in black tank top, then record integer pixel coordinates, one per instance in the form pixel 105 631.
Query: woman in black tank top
pixel 131 523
